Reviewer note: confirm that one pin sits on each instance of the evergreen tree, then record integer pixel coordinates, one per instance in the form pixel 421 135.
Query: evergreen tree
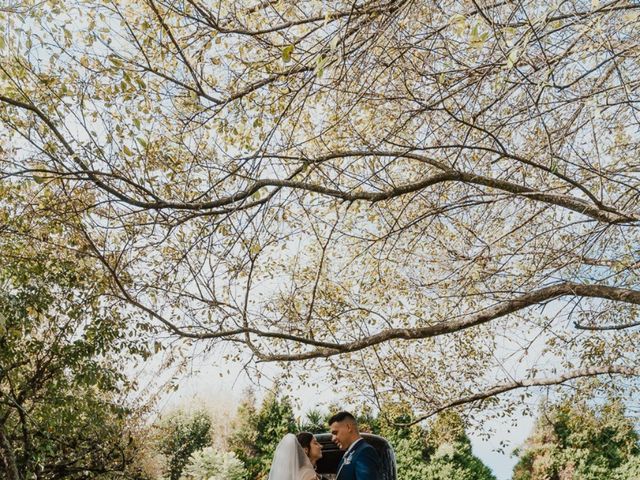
pixel 576 441
pixel 259 432
pixel 449 450
pixel 313 422
pixel 409 443
pixel 441 452
pixel 182 436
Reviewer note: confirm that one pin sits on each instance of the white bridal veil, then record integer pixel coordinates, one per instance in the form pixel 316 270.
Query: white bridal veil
pixel 289 460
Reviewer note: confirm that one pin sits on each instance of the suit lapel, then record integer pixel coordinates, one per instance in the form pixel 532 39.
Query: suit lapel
pixel 351 454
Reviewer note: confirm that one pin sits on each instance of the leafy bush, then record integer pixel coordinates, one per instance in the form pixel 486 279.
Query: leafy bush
pixel 211 464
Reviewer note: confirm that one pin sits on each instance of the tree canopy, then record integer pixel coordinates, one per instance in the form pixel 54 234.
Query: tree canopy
pixel 65 409
pixel 443 195
pixel 573 439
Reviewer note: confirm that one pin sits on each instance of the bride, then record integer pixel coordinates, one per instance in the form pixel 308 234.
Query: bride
pixel 295 458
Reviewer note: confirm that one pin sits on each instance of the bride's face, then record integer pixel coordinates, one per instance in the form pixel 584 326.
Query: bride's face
pixel 314 451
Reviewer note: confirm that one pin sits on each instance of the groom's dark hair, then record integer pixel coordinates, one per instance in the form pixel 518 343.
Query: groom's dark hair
pixel 341 417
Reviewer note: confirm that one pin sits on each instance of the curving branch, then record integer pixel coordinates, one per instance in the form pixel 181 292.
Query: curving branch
pixel 326 349
pixel 541 295
pixel 528 383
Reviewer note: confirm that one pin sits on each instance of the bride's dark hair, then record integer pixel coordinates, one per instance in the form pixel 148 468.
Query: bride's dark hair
pixel 304 439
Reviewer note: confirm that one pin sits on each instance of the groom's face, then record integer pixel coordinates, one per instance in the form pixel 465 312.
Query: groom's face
pixel 341 434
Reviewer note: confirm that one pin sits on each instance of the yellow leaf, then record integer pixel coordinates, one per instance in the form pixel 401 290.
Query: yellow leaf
pixel 512 58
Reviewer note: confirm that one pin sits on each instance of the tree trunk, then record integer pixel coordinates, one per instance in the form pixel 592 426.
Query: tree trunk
pixel 8 457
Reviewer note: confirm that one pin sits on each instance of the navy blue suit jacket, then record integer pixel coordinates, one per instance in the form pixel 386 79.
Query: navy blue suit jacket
pixel 361 463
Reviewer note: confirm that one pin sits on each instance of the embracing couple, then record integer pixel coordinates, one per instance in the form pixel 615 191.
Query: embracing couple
pixel 296 455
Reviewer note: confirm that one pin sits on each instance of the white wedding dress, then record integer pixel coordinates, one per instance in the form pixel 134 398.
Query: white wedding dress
pixel 290 462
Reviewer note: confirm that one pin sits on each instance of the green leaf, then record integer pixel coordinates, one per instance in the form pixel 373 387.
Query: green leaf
pixel 478 39
pixel 474 33
pixel 287 52
pixel 115 60
pixel 334 42
pixel 321 62
pixel 459 23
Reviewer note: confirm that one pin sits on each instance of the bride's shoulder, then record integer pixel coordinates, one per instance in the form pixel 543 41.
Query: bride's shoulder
pixel 308 473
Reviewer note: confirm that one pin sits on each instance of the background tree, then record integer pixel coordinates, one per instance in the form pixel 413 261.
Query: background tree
pixel 441 451
pixel 449 451
pixel 258 432
pixel 314 421
pixel 181 436
pixel 442 194
pixel 64 350
pixel 575 440
pixel 409 443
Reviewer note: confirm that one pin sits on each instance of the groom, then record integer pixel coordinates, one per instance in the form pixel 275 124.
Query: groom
pixel 360 461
